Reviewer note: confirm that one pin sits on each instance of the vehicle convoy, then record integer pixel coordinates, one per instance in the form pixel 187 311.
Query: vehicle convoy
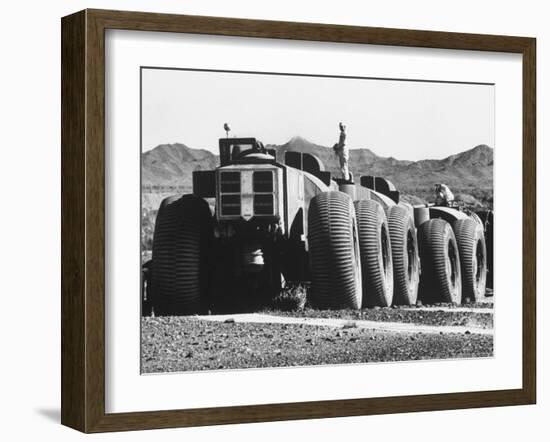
pixel 263 217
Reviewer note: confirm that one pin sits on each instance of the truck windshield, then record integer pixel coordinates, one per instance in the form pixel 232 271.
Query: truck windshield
pixel 237 149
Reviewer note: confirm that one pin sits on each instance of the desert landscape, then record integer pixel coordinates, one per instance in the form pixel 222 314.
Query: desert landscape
pixel 289 332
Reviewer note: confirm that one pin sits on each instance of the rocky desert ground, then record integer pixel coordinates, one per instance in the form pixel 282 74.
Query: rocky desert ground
pixel 275 338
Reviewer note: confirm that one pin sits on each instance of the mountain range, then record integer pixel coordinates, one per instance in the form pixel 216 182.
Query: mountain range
pixel 469 174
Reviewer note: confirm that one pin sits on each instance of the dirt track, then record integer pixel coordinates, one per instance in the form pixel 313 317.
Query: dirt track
pixel 434 316
pixel 313 338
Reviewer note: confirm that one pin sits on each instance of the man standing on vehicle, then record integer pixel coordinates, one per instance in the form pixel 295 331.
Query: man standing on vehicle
pixel 342 152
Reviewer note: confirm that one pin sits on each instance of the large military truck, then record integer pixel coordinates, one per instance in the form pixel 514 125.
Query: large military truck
pixel 263 217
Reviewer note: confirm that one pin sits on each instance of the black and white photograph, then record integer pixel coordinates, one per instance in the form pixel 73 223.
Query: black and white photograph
pixel 250 221
pixel 304 219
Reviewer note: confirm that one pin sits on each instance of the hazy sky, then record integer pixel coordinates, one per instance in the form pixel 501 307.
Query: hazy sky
pixel 404 119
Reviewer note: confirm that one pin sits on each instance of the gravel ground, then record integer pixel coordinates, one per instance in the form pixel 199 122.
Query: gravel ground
pixel 409 316
pixel 188 344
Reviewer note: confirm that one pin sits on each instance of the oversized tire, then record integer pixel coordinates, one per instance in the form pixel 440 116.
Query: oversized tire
pixel 486 217
pixel 473 258
pixel 334 252
pixel 181 245
pixel 376 253
pixel 405 258
pixel 440 279
pixel 146 305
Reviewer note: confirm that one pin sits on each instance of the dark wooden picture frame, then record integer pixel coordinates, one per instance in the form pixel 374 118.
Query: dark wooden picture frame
pixel 83 220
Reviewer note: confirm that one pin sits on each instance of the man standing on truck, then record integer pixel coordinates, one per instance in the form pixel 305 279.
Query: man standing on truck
pixel 342 152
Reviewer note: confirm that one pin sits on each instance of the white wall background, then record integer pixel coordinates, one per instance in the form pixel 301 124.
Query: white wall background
pixel 30 216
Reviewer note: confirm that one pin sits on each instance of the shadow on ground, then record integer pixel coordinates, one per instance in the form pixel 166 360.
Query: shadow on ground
pixel 51 414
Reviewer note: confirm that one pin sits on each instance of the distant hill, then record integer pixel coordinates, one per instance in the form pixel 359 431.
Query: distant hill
pixel 173 164
pixel 470 169
pixel 168 169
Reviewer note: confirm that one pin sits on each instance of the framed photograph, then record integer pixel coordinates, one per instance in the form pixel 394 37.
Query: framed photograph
pixel 267 220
